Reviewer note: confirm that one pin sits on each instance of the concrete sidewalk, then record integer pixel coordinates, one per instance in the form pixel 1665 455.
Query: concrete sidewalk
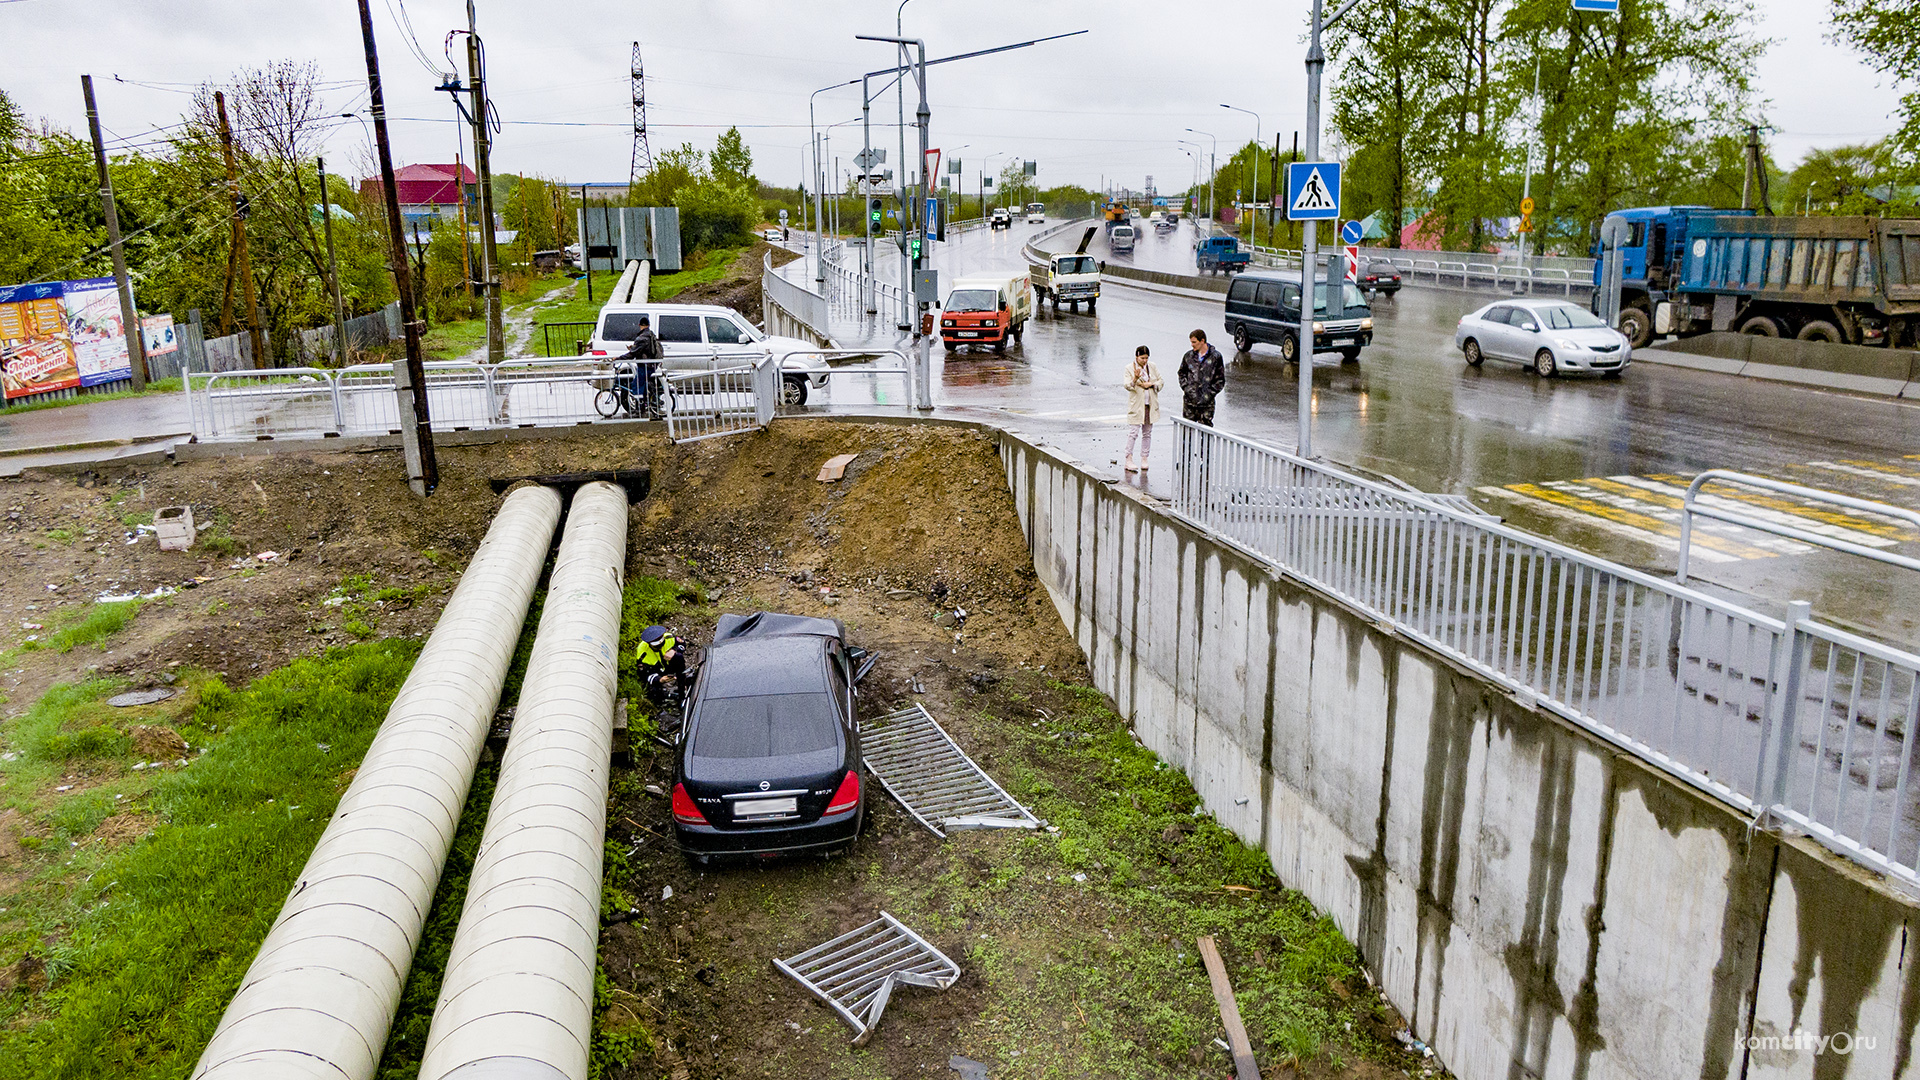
pixel 92 426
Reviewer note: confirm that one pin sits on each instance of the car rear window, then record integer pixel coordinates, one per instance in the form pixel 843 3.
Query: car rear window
pixel 682 328
pixel 765 725
pixel 621 326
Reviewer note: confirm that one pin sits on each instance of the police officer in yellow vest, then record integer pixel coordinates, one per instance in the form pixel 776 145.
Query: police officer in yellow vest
pixel 662 662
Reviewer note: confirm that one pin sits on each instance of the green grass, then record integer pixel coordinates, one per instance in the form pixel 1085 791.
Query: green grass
pixel 450 340
pixel 158 386
pixel 705 267
pixel 144 943
pixel 87 626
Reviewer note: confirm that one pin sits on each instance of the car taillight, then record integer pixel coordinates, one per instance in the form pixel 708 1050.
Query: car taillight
pixel 848 796
pixel 598 352
pixel 684 811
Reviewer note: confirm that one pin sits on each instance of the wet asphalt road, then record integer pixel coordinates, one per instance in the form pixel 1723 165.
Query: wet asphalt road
pixel 1595 463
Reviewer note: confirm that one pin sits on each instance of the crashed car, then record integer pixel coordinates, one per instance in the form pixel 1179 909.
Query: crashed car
pixel 769 756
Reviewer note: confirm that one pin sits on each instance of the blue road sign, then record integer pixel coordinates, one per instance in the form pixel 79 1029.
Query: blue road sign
pixel 1351 232
pixel 1313 191
pixel 1596 5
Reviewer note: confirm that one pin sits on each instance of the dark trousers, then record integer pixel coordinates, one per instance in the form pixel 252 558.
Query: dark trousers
pixel 642 385
pixel 1200 412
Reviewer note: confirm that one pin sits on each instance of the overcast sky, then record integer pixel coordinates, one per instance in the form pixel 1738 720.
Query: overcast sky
pixel 1111 102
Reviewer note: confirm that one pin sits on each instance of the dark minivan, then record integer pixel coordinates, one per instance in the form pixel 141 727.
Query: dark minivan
pixel 1264 305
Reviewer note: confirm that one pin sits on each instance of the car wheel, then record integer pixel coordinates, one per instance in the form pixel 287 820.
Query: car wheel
pixel 793 392
pixel 947 344
pixel 1090 304
pixel 1473 354
pixel 606 403
pixel 1241 339
pixel 1000 346
pixel 1820 330
pixel 1349 356
pixel 1544 365
pixel 1637 323
pixel 1761 326
pixel 1056 302
pixel 1610 375
pixel 1289 349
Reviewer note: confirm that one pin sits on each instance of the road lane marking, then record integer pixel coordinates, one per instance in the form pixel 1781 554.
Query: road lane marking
pixel 1666 510
pixel 1621 521
pixel 1863 469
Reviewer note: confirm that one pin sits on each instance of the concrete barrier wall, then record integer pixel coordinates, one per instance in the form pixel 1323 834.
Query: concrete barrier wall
pixel 1536 904
pixel 1891 372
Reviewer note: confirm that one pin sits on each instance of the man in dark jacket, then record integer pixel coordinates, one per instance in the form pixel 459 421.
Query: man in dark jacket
pixel 644 354
pixel 1203 374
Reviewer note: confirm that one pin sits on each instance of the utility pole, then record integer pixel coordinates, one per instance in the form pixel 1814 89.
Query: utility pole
pixel 240 234
pixel 410 375
pixel 129 318
pixel 586 253
pixel 1309 244
pixel 333 267
pixel 482 140
pixel 912 306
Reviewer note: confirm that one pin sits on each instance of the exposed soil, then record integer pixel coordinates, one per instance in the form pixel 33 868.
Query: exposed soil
pixel 740 288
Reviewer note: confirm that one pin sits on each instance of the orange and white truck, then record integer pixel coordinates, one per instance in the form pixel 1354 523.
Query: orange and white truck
pixel 987 309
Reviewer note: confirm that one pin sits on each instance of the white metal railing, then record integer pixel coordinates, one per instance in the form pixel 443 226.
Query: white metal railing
pixel 361 400
pixel 1459 270
pixel 809 307
pixel 723 401
pixel 1790 722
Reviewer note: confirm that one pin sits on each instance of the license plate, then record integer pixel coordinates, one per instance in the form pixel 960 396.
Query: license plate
pixel 757 807
pixel 1343 341
pixel 967 333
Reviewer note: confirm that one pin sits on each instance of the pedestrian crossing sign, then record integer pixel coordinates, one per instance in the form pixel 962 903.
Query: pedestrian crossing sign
pixel 1313 191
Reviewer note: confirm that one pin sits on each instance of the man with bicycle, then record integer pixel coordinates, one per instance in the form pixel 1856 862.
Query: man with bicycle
pixel 645 356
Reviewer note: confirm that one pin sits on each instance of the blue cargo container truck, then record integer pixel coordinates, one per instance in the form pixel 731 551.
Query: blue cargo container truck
pixel 1691 270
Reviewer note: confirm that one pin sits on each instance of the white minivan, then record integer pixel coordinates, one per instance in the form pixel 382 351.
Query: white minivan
pixel 694 337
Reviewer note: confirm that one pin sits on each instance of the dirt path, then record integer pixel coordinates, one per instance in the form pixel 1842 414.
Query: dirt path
pixel 517 327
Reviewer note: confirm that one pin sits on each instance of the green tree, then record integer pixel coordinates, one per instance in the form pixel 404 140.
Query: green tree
pixel 731 161
pixel 1386 104
pixel 1887 32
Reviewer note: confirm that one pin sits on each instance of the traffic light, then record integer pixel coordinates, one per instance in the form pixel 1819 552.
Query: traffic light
pixel 913 249
pixel 874 210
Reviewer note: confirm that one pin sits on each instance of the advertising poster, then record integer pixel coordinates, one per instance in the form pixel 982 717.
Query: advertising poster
pixel 158 333
pixel 99 338
pixel 36 354
pixel 55 335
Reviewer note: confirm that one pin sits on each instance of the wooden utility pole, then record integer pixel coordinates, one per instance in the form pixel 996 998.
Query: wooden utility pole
pixel 466 236
pixel 410 375
pixel 129 318
pixel 333 268
pixel 239 236
pixel 482 141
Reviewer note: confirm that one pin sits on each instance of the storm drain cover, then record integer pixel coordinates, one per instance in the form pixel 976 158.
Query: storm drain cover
pixel 922 767
pixel 856 972
pixel 139 697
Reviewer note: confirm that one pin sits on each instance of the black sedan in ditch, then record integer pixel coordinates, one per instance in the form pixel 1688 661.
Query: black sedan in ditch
pixel 769 759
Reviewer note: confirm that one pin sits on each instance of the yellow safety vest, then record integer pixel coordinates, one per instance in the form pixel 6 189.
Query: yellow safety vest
pixel 648 656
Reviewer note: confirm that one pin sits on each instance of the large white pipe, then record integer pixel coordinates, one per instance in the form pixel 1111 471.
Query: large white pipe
pixel 517 998
pixel 322 990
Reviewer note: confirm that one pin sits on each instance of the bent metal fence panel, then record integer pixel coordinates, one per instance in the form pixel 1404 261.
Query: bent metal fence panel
pixel 1792 722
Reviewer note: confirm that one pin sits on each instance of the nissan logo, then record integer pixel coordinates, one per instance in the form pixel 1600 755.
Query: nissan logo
pixel 764 785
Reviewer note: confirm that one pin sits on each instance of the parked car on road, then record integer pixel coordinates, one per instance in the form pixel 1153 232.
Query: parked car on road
pixel 769 757
pixel 1379 275
pixel 1264 305
pixel 697 337
pixel 1548 336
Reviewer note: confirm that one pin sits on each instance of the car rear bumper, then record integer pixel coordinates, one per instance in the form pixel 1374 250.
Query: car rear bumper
pixel 821 835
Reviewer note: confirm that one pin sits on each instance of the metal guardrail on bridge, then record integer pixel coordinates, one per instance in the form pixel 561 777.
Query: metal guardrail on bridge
pixel 1791 722
pixel 1461 270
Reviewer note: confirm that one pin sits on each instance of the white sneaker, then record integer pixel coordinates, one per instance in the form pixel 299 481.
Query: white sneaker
pixel 1131 467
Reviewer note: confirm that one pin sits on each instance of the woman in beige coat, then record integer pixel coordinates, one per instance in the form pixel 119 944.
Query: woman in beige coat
pixel 1143 406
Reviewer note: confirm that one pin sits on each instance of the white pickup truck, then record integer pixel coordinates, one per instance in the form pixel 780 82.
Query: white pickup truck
pixel 1069 276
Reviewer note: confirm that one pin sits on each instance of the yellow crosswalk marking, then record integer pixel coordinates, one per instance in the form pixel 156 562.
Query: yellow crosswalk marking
pixel 1785 506
pixel 1638 520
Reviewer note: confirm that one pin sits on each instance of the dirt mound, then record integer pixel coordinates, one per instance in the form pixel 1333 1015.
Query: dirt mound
pixel 158 743
pixel 739 289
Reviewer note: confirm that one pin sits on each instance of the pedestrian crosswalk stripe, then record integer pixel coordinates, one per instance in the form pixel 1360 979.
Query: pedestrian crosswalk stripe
pixel 1834 524
pixel 1648 509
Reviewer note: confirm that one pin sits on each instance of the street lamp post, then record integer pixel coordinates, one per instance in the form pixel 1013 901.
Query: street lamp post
pixel 819 205
pixel 1309 240
pixel 922 115
pixel 1213 166
pixel 1257 147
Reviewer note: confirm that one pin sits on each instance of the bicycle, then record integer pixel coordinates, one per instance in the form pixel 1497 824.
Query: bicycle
pixel 620 400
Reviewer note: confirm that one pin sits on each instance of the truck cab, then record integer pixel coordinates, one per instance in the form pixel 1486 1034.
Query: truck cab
pixel 987 309
pixel 1001 218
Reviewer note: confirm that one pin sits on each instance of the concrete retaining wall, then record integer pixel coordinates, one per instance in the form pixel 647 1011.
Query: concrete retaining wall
pixel 1891 372
pixel 1537 904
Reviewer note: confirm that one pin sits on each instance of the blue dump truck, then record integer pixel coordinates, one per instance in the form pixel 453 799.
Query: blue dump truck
pixel 1692 270
pixel 1220 255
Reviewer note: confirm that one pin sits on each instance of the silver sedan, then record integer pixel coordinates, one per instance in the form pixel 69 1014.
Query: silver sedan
pixel 1548 336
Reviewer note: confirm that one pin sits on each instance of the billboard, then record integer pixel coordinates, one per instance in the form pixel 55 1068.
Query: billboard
pixel 55 335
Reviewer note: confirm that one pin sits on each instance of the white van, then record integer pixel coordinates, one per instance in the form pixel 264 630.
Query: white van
pixel 1120 238
pixel 693 335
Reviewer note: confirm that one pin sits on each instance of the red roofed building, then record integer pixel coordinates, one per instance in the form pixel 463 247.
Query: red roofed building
pixel 429 192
